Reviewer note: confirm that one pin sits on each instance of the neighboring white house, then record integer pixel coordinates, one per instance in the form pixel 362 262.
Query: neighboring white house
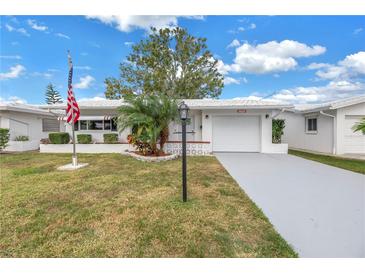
pixel 214 125
pixel 27 120
pixel 325 127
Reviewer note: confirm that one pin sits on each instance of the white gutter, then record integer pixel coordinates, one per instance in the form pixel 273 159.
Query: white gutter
pixel 333 129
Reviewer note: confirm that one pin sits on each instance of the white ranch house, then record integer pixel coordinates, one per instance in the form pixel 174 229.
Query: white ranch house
pixel 214 125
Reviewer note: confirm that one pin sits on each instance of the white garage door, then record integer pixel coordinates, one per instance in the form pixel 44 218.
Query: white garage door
pixel 236 133
pixel 354 142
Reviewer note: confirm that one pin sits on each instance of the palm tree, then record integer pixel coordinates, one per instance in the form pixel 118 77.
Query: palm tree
pixel 148 116
pixel 360 126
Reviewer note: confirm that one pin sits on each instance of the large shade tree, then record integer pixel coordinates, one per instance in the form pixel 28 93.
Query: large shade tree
pixel 170 62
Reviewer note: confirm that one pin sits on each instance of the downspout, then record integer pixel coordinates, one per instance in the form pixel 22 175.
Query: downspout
pixel 277 114
pixel 333 130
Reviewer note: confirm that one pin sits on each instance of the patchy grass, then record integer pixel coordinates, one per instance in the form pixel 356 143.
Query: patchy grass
pixel 121 207
pixel 345 163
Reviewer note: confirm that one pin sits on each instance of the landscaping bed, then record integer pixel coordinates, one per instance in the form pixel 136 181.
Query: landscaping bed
pixel 121 207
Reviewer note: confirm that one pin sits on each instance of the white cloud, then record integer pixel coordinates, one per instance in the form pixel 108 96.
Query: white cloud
pixel 14 72
pixel 241 29
pixel 357 31
pixel 230 80
pixel 252 26
pixel 82 67
pixel 84 54
pixel 356 62
pixel 34 25
pixel 85 82
pixel 17 57
pixel 315 94
pixel 272 56
pixel 352 66
pixel 128 23
pixel 62 35
pixel 96 98
pixel 13 99
pixel 235 43
pixel 45 75
pixel 128 44
pixel 222 68
pixel 19 30
pixel 244 79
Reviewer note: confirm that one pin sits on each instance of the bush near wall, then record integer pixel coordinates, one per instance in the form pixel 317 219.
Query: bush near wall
pixel 21 138
pixel 59 137
pixel 278 126
pixel 84 138
pixel 110 138
pixel 4 138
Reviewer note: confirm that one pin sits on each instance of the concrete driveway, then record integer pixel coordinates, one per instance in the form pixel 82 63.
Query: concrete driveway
pixel 318 209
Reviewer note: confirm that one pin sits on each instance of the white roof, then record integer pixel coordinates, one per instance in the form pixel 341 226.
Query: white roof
pixel 88 104
pixel 25 108
pixel 234 103
pixel 331 105
pixel 192 103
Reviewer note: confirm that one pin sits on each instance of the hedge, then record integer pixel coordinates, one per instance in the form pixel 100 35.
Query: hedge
pixel 110 138
pixel 84 138
pixel 4 138
pixel 59 137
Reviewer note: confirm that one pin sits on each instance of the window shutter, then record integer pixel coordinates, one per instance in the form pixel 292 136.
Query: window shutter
pixel 50 125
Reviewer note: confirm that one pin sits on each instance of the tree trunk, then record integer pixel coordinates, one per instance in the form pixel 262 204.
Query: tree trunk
pixel 164 135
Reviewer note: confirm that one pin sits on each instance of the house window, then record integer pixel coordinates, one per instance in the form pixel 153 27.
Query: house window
pixel 96 125
pixel 83 125
pixel 311 125
pixel 107 124
pixel 114 124
pixel 50 125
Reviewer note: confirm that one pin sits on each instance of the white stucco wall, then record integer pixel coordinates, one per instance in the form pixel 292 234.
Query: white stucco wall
pixel 343 139
pixel 348 141
pixel 296 136
pixel 266 145
pixel 24 124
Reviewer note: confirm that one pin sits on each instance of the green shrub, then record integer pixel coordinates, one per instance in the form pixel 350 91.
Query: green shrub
pixel 110 138
pixel 84 138
pixel 59 137
pixel 4 138
pixel 21 138
pixel 278 126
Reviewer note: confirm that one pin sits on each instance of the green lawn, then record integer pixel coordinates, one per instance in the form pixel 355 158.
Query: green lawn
pixel 121 207
pixel 345 163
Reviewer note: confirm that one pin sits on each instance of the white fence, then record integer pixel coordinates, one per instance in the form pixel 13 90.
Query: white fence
pixel 85 148
pixel 192 148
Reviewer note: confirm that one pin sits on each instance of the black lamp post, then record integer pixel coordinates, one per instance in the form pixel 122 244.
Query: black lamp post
pixel 184 111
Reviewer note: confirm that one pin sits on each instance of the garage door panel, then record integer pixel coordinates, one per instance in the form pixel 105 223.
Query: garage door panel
pixel 354 142
pixel 236 133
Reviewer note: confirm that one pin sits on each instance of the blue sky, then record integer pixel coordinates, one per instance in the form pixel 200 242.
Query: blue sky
pixel 297 59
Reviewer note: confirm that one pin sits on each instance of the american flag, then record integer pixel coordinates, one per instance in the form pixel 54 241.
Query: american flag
pixel 73 110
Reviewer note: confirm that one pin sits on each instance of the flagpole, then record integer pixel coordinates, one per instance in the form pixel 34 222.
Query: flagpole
pixel 74 156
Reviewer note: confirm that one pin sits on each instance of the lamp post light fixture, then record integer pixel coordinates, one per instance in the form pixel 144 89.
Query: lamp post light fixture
pixel 184 111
